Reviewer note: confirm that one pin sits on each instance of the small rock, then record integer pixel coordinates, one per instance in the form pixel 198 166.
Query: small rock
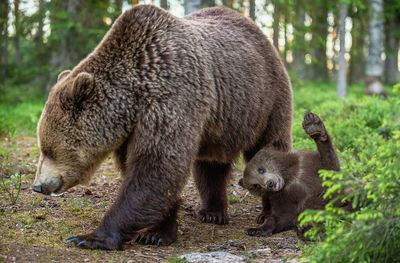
pixel 213 257
pixel 88 192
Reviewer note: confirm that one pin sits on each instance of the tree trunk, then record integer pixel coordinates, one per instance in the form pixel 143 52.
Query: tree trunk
pixel 275 26
pixel 207 3
pixel 357 57
pixel 252 10
pixel 67 52
pixel 39 33
pixel 228 3
pixel 374 66
pixel 192 6
pixel 164 4
pixel 4 8
pixel 118 7
pixel 299 42
pixel 17 32
pixel 341 84
pixel 392 29
pixel 318 42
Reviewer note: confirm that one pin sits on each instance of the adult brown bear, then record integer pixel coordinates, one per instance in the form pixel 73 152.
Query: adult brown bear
pixel 168 96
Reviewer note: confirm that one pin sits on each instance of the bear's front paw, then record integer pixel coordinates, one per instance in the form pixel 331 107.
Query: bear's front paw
pixel 155 238
pixel 314 127
pixel 94 241
pixel 216 217
pixel 259 231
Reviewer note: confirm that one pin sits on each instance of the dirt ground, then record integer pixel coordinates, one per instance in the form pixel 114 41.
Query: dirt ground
pixel 35 228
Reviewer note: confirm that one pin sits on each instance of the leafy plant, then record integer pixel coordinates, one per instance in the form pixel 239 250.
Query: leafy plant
pixel 368 140
pixel 11 186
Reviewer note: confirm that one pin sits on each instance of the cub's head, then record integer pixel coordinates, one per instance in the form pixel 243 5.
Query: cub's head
pixel 70 140
pixel 263 174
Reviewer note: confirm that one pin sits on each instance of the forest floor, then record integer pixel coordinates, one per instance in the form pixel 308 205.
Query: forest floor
pixel 35 228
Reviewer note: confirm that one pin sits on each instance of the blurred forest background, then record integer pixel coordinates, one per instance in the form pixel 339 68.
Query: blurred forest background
pixel 318 40
pixel 337 52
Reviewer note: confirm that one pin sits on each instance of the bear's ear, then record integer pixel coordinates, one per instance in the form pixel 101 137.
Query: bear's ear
pixel 82 87
pixel 63 74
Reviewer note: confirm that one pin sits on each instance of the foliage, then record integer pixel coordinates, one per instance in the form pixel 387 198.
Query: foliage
pixel 11 186
pixel 20 117
pixel 366 131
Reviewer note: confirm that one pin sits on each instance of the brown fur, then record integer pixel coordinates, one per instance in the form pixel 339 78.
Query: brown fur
pixel 165 95
pixel 288 182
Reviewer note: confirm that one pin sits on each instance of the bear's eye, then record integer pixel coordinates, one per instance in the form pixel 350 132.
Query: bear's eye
pixel 48 153
pixel 261 170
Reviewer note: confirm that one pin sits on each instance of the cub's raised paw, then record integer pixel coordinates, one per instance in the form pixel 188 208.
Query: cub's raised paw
pixel 216 217
pixel 314 127
pixel 94 241
pixel 259 231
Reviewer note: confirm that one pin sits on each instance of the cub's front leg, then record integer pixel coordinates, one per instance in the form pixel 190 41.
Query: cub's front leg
pixel 266 229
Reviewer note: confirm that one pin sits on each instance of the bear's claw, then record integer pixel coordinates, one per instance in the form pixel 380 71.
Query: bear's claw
pixel 71 239
pixel 94 241
pixel 81 243
pixel 219 218
pixel 151 239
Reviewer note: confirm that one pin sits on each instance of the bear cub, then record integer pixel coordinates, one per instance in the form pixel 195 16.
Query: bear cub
pixel 288 182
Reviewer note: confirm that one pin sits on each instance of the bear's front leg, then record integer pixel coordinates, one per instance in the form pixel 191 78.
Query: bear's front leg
pixel 211 179
pixel 146 206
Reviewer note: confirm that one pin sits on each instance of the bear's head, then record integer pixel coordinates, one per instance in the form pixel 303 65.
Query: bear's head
pixel 70 136
pixel 263 174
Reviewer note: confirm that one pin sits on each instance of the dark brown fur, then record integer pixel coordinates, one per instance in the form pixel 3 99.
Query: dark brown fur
pixel 294 183
pixel 168 96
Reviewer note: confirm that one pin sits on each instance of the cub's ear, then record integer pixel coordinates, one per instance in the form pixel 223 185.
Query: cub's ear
pixel 63 74
pixel 82 87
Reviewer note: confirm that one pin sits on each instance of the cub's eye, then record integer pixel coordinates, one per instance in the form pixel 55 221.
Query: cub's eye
pixel 261 170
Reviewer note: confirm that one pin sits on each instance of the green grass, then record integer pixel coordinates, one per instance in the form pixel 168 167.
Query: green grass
pixel 20 118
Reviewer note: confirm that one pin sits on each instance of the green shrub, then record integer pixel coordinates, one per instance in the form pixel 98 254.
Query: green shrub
pixel 366 132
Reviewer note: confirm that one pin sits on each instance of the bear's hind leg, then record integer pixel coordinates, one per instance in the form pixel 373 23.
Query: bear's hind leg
pixel 211 179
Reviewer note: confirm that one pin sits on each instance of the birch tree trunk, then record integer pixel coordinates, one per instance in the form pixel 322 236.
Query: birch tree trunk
pixel 374 68
pixel 341 83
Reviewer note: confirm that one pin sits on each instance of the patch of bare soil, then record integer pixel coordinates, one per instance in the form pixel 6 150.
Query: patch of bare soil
pixel 35 228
